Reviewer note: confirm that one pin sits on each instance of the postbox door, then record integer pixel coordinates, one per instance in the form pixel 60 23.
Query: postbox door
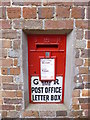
pixel 46 53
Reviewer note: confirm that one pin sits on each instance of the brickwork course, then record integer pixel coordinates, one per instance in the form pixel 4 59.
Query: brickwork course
pixel 16 16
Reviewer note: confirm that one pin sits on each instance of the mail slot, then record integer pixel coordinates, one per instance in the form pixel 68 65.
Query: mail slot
pixel 46 68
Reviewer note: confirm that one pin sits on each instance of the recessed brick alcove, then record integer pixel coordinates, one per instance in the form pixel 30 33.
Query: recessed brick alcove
pixel 17 20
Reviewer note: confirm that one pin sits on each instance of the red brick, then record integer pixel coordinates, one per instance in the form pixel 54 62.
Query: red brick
pixel 15 62
pixel 16 44
pixel 85 53
pixel 78 62
pixel 62 12
pixel 83 70
pixel 83 24
pixel 9 94
pixel 34 114
pixel 85 106
pixel 87 34
pixel 78 12
pixel 46 12
pixel 2 12
pixel 84 100
pixel 6 79
pixel 59 24
pixel 88 14
pixel 6 62
pixel 14 12
pixel 4 71
pixel 6 44
pixel 75 101
pixel 76 93
pixel 87 62
pixel 19 93
pixel 5 24
pixel 4 114
pixel 8 107
pixel 14 71
pixel 88 44
pixel 86 113
pixel 76 113
pixel 86 78
pixel 85 92
pixel 29 13
pixel 75 107
pixel 79 3
pixel 18 107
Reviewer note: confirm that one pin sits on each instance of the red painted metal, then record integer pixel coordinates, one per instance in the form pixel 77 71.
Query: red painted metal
pixel 37 46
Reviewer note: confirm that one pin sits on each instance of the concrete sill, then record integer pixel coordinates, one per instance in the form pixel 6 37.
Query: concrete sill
pixel 46 107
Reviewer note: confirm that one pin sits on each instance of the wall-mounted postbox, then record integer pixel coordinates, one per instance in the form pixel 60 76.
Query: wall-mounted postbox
pixel 46 64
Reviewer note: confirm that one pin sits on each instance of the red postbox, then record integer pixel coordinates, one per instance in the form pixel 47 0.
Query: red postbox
pixel 46 66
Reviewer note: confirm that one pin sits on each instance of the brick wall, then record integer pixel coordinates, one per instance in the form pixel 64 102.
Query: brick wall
pixel 17 16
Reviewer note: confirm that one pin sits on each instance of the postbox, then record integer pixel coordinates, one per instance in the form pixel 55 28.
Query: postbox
pixel 46 68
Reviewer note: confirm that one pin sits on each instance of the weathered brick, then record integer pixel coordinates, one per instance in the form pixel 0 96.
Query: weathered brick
pixel 6 62
pixel 18 107
pixel 34 114
pixel 10 87
pixel 6 79
pixel 2 12
pixel 4 71
pixel 85 92
pixel 84 100
pixel 78 79
pixel 13 114
pixel 26 3
pixel 6 44
pixel 5 24
pixel 86 113
pixel 1 101
pixel 86 78
pixel 79 34
pixel 79 86
pixel 13 53
pixel 4 114
pixel 14 71
pixel 44 114
pixel 77 53
pixel 76 93
pixel 80 44
pixel 14 12
pixel 82 24
pixel 5 3
pixel 75 107
pixel 61 113
pixel 85 53
pixel 28 24
pixel 9 34
pixel 78 62
pixel 87 34
pixel 59 3
pixel 62 12
pixel 16 44
pixel 87 85
pixel 79 3
pixel 3 53
pixel 19 93
pixel 88 14
pixel 29 13
pixel 83 70
pixel 75 101
pixel 8 107
pixel 75 113
pixel 87 62
pixel 15 62
pixel 88 44
pixel 10 94
pixel 12 101
pixel 85 106
pixel 46 12
pixel 78 12
pixel 60 24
